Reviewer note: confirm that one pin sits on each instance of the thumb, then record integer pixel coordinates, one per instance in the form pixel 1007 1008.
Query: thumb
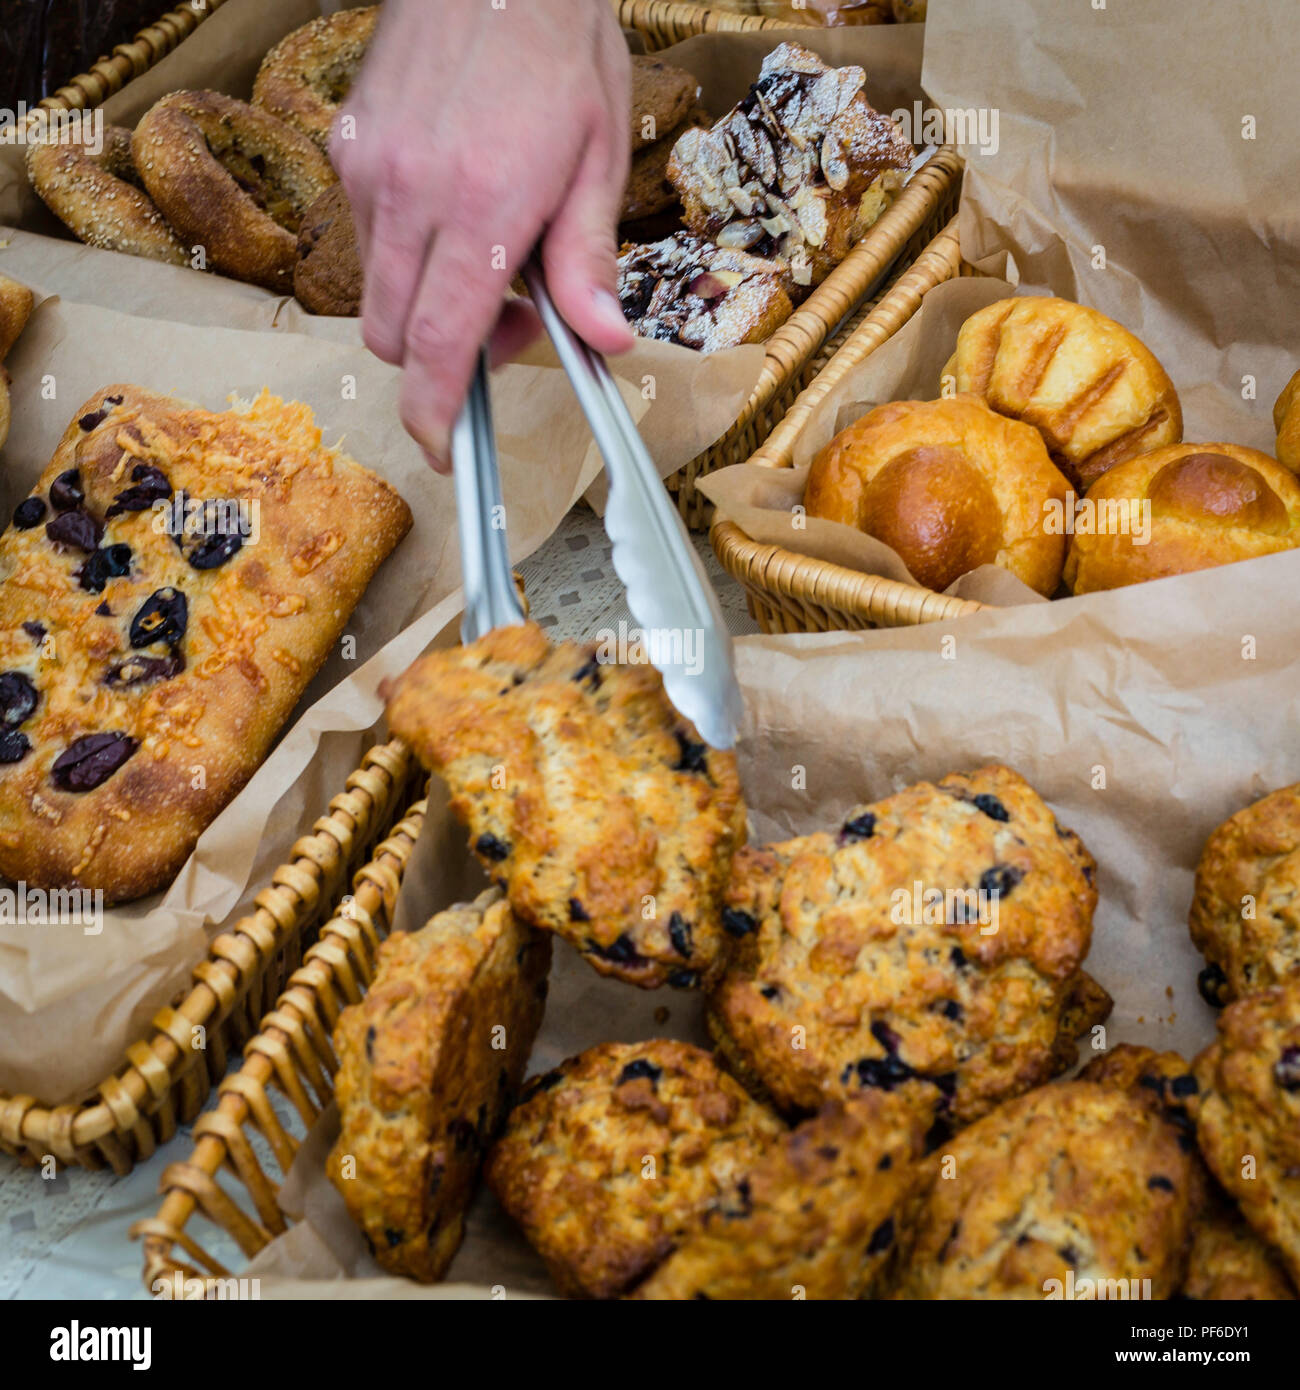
pixel 579 257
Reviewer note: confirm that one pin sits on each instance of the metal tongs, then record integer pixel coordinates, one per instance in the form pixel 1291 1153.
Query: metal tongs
pixel 668 593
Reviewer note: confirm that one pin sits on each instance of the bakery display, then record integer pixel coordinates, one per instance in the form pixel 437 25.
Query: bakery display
pixel 932 942
pixel 610 1157
pixel 586 795
pixel 1245 916
pixel 819 1215
pixel 167 590
pixel 685 290
pixel 423 1087
pixel 16 303
pixel 101 198
pixel 950 485
pixel 233 179
pixel 1182 508
pixel 306 77
pixel 328 278
pixel 1286 420
pixel 1248 1116
pixel 1093 391
pixel 796 171
pixel 1073 1191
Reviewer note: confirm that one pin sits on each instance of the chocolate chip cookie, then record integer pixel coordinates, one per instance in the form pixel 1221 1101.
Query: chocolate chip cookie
pixel 933 941
pixel 1073 1191
pixel 1245 916
pixel 818 1216
pixel 595 804
pixel 429 1063
pixel 609 1158
pixel 1248 1119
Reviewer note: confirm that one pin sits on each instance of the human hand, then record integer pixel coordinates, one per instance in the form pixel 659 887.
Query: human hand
pixel 478 132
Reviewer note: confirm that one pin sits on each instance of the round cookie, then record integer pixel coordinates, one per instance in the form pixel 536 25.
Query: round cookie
pixel 100 197
pixel 817 1217
pixel 661 97
pixel 328 277
pixel 1248 1120
pixel 1245 916
pixel 610 1157
pixel 648 191
pixel 1058 1194
pixel 306 77
pixel 233 179
pixel 933 942
pixel 422 1086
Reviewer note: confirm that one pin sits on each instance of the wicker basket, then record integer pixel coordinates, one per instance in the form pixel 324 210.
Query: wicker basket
pixel 164 1080
pixel 662 23
pixel 129 60
pixel 789 592
pixel 292 1054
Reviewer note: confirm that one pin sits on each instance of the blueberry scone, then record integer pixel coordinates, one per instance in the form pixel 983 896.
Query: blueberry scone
pixel 587 796
pixel 818 1216
pixel 1248 1119
pixel 1245 916
pixel 934 941
pixel 684 290
pixel 1227 1260
pixel 1073 1191
pixel 429 1063
pixel 171 585
pixel 795 172
pixel 607 1160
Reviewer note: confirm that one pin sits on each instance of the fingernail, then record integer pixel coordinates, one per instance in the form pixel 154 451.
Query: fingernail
pixel 608 307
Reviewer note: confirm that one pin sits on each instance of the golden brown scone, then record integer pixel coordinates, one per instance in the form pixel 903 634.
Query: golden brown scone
pixel 1245 917
pixel 1248 1120
pixel 1187 507
pixel 611 1156
pixel 1286 420
pixel 950 485
pixel 306 77
pixel 818 1216
pixel 141 641
pixel 1091 389
pixel 15 309
pixel 100 197
pixel 1058 1194
pixel 933 943
pixel 1228 1261
pixel 662 95
pixel 586 795
pixel 684 290
pixel 16 303
pixel 784 173
pixel 232 179
pixel 429 1062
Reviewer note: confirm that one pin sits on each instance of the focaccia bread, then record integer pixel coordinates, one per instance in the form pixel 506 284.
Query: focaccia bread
pixel 797 170
pixel 157 627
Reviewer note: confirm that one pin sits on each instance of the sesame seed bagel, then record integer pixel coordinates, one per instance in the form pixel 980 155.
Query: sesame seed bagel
pixel 99 197
pixel 306 77
pixel 233 179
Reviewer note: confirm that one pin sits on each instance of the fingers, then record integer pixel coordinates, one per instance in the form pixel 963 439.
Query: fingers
pixel 456 308
pixel 579 255
pixel 516 328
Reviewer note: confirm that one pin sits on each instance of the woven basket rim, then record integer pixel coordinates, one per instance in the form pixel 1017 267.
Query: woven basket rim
pixel 233 963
